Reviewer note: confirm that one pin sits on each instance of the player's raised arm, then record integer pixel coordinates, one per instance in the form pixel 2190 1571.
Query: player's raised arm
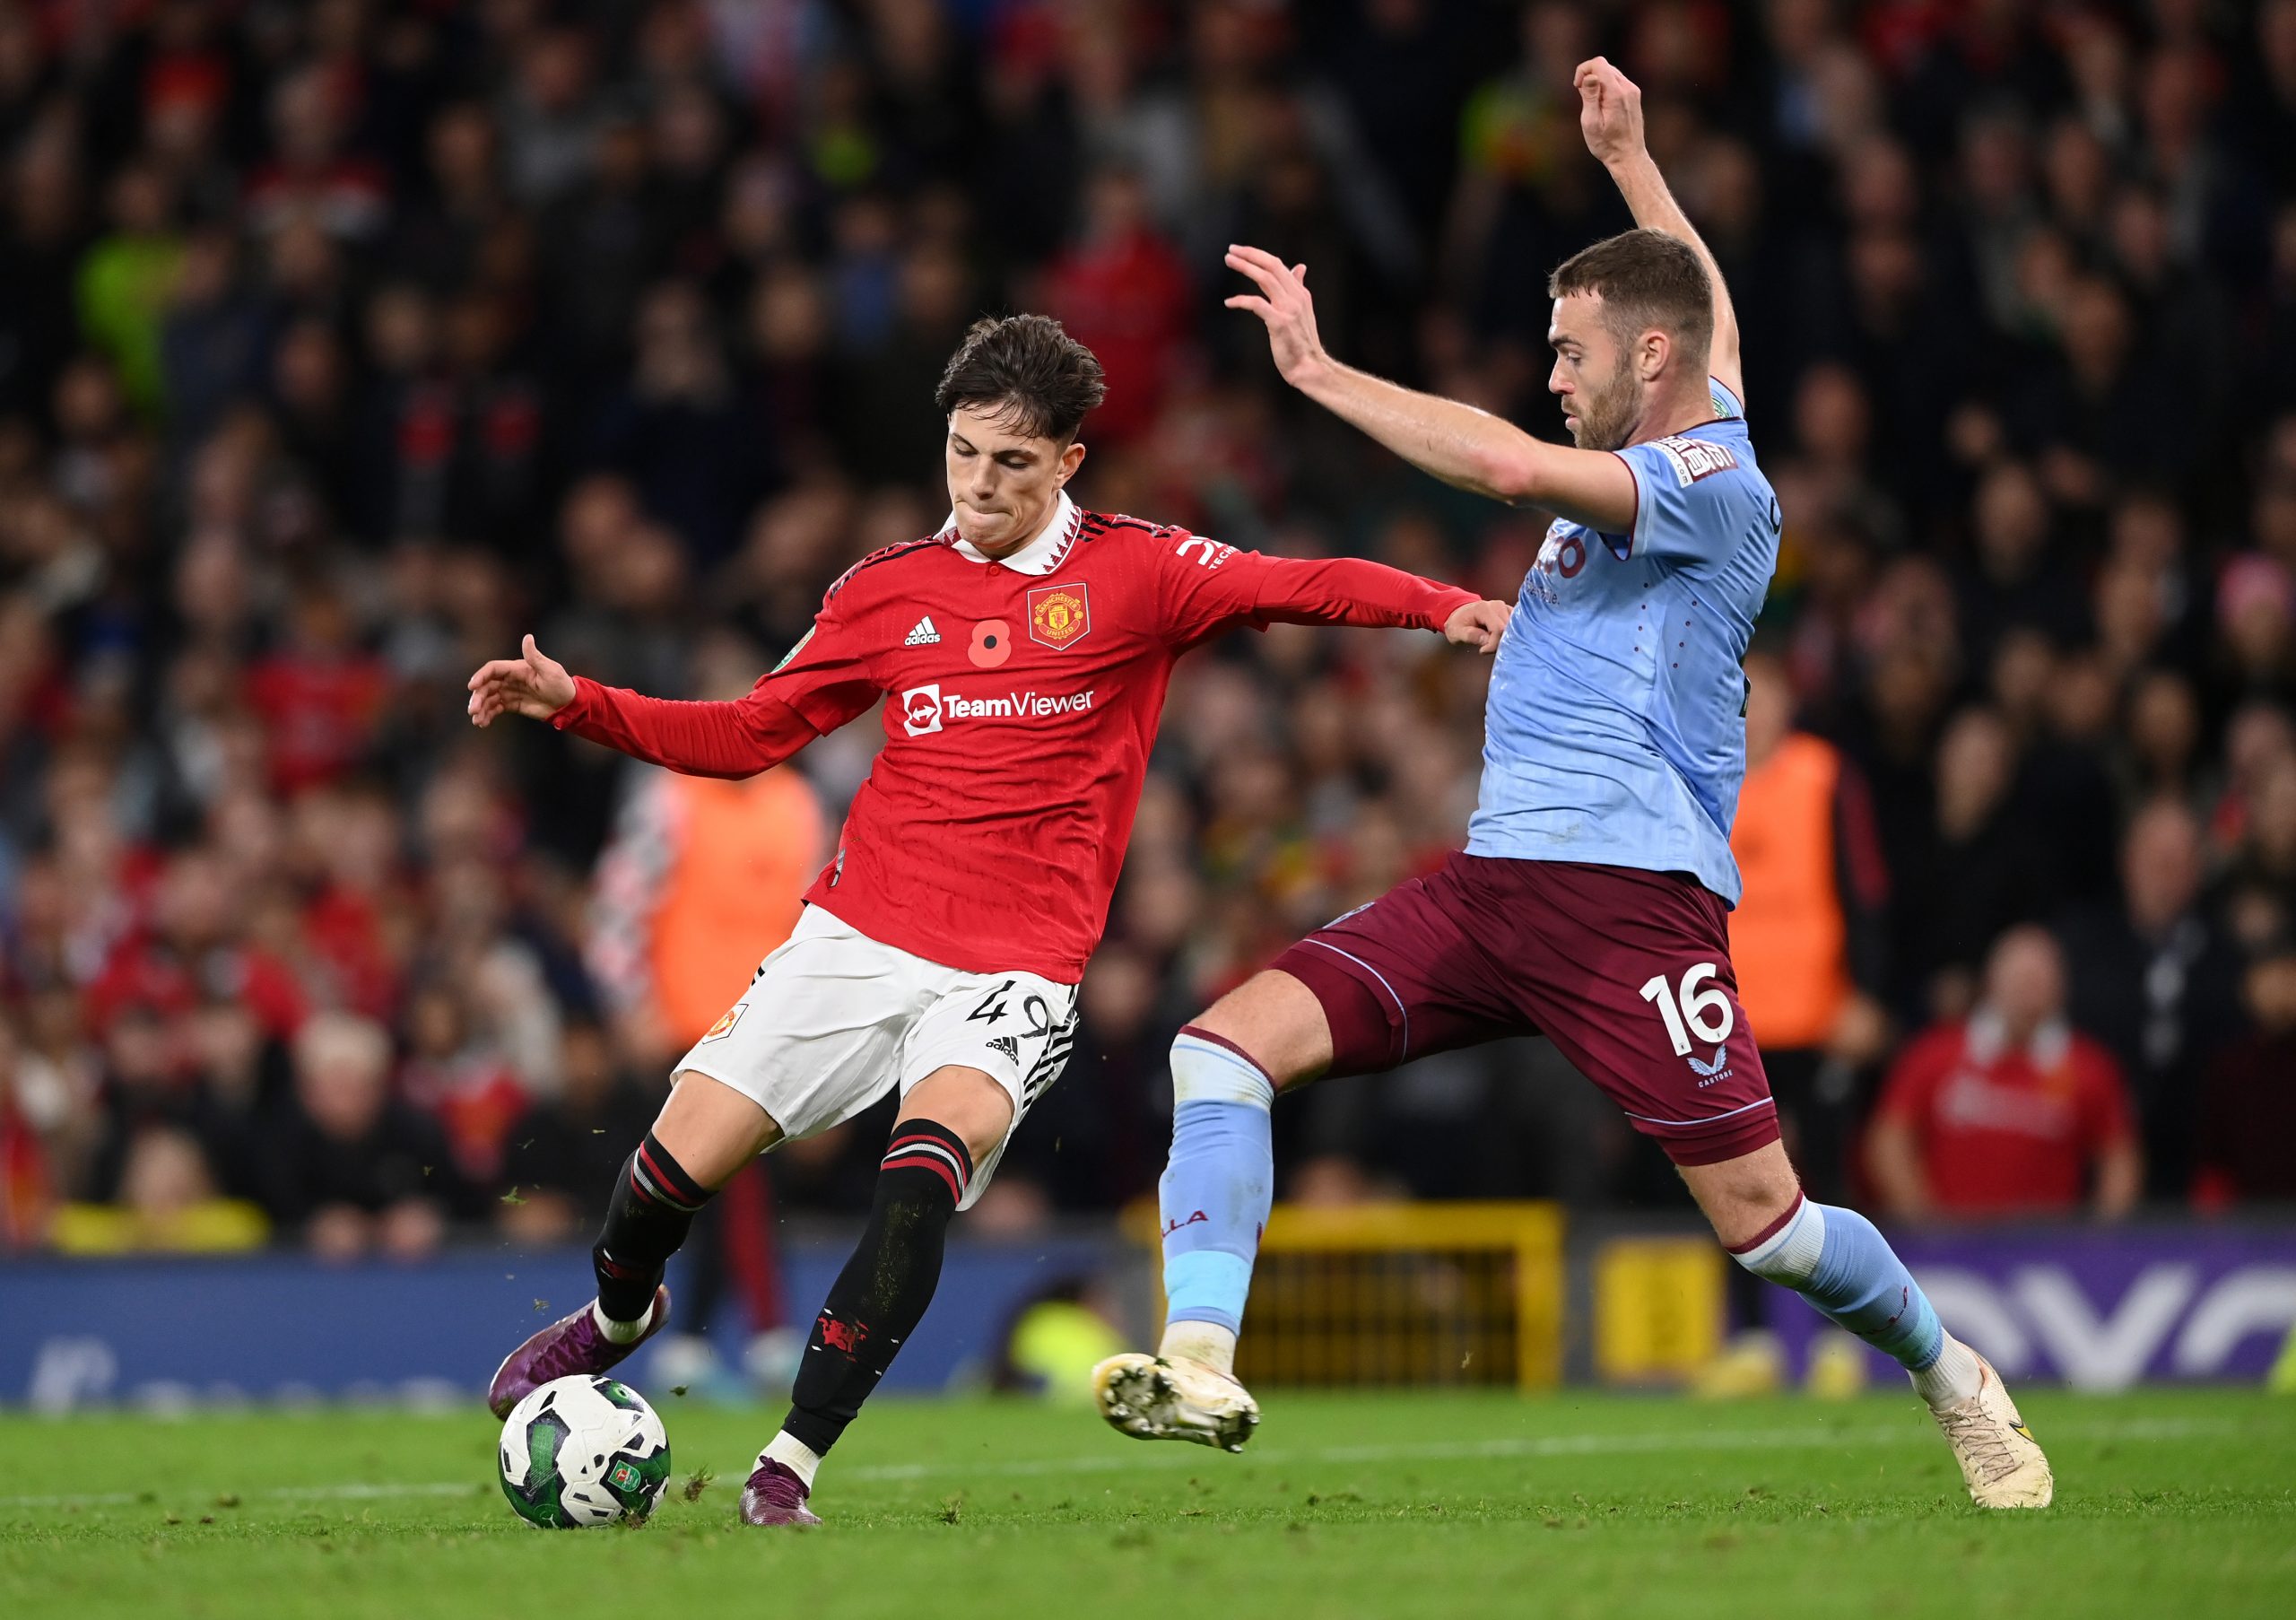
pixel 1610 115
pixel 1457 443
pixel 822 685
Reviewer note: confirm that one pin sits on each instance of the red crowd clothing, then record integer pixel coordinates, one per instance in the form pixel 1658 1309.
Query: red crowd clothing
pixel 1024 695
pixel 320 714
pixel 149 972
pixel 2004 1130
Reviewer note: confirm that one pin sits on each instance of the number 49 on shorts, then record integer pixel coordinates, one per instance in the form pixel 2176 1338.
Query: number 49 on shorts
pixel 1691 1011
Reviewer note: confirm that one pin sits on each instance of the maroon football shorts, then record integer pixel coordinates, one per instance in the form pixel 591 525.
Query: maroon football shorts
pixel 1627 972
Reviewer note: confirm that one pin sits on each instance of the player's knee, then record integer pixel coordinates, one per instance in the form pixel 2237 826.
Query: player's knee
pixel 713 1128
pixel 1746 1196
pixel 965 1101
pixel 1788 1249
pixel 1208 1068
pixel 1272 1022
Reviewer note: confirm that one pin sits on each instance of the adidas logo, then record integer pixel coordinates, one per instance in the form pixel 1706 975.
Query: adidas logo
pixel 924 635
pixel 1009 1046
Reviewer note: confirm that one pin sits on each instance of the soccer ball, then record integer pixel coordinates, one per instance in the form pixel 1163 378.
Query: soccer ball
pixel 584 1451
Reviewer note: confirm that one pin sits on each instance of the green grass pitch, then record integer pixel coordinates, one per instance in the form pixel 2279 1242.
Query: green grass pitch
pixel 2175 1505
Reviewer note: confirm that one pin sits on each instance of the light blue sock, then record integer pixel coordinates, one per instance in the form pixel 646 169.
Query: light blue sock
pixel 1834 1259
pixel 1220 1183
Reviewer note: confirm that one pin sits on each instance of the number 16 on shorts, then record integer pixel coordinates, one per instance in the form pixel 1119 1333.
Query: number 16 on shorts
pixel 1690 1011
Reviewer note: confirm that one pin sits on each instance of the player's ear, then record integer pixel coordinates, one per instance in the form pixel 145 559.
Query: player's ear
pixel 1071 459
pixel 1651 352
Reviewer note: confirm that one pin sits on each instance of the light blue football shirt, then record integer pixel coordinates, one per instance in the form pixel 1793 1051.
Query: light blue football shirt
pixel 1614 732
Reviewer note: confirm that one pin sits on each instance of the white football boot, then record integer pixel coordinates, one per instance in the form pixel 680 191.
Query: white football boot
pixel 1159 1397
pixel 2004 1467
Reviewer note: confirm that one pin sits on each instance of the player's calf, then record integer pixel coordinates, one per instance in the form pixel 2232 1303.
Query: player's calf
pixel 1216 1195
pixel 1836 1258
pixel 875 1303
pixel 1217 1189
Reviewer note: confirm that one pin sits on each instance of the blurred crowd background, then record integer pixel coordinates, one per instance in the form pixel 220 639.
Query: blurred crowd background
pixel 341 343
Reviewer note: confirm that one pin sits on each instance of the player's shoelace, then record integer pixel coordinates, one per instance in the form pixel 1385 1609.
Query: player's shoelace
pixel 1982 1439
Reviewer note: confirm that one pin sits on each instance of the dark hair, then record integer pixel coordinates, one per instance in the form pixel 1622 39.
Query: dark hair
pixel 1036 378
pixel 1645 279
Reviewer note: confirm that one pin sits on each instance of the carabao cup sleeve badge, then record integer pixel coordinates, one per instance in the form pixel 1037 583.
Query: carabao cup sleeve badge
pixel 1059 614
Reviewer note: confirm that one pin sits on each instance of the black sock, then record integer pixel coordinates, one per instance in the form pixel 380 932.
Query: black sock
pixel 653 1204
pixel 885 1288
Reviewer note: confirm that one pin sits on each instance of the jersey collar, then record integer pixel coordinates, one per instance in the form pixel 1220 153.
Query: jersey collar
pixel 1040 556
pixel 1988 1040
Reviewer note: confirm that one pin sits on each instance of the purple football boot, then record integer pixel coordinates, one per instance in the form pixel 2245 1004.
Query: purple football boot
pixel 775 1495
pixel 569 1345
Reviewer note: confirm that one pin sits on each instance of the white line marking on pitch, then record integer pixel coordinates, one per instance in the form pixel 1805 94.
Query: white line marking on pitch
pixel 1118 1462
pixel 1543 1445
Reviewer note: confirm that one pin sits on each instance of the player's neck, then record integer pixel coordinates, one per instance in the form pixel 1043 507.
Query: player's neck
pixel 1672 412
pixel 1027 532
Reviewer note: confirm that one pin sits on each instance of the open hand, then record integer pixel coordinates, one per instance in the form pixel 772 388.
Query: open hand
pixel 1610 110
pixel 532 684
pixel 1477 624
pixel 1286 308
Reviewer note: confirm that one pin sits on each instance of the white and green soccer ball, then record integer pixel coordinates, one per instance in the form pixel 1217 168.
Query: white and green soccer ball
pixel 584 1451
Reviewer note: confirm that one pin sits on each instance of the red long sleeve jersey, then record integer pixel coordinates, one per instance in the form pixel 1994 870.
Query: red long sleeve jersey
pixel 1023 701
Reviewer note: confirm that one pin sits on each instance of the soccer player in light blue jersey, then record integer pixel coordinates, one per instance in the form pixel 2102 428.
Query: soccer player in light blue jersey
pixel 1591 903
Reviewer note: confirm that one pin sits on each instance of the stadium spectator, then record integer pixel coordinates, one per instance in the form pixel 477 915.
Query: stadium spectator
pixel 561 1163
pixel 2009 1111
pixel 1808 935
pixel 2155 979
pixel 2246 1106
pixel 167 1199
pixel 349 1167
pixel 1981 869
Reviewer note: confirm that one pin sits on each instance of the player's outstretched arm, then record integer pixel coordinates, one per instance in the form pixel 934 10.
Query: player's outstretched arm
pixel 734 739
pixel 1204 588
pixel 1610 115
pixel 1463 446
pixel 1351 590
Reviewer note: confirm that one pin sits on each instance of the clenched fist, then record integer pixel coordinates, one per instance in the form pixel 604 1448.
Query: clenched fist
pixel 1477 624
pixel 1610 110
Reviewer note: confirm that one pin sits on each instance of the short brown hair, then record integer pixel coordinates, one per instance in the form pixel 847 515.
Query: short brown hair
pixel 1645 279
pixel 1034 376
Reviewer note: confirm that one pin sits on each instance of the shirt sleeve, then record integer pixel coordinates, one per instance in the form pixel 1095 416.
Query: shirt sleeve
pixel 823 682
pixel 1688 507
pixel 1204 587
pixel 2104 1100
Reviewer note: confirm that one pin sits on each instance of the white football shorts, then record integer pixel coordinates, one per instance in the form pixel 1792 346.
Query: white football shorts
pixel 834 1020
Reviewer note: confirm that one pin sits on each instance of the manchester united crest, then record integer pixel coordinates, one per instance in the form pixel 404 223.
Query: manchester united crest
pixel 1059 614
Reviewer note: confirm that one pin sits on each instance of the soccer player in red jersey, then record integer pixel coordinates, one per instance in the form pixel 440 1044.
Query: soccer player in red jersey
pixel 1024 653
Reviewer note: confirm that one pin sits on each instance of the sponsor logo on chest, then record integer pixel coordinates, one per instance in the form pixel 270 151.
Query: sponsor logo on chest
pixel 927 708
pixel 1976 1099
